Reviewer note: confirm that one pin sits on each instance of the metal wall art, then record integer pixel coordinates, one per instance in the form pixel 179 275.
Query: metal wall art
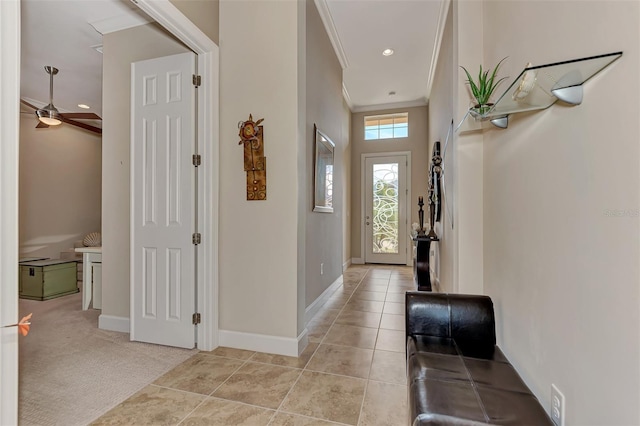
pixel 255 163
pixel 435 189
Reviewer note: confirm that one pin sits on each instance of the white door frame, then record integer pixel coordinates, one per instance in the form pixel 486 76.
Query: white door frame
pixel 168 16
pixel 172 19
pixel 9 135
pixel 363 194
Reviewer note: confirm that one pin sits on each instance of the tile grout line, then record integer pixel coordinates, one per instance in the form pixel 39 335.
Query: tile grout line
pixel 342 309
pixel 286 396
pixel 351 297
pixel 311 418
pixel 245 362
pixel 292 386
pixel 231 375
pixel 194 409
pixel 311 357
pixel 333 323
pixel 371 366
pixel 215 389
pixel 366 385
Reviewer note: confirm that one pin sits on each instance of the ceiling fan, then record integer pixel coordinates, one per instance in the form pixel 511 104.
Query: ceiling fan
pixel 50 116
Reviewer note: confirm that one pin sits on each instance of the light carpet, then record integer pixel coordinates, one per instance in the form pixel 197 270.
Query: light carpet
pixel 71 372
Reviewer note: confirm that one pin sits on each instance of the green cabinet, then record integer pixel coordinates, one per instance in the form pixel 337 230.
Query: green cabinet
pixel 47 279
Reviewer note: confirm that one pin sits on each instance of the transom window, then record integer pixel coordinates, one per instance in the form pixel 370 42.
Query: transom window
pixel 388 126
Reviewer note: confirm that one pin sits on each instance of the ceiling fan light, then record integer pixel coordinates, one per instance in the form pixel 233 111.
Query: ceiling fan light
pixel 49 116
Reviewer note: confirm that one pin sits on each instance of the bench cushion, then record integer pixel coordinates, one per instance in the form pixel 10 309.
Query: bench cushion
pixel 456 373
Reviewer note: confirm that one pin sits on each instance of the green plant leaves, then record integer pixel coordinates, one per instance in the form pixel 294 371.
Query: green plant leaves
pixel 486 84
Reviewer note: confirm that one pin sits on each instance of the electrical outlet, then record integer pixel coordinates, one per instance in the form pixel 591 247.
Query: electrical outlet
pixel 322 269
pixel 557 406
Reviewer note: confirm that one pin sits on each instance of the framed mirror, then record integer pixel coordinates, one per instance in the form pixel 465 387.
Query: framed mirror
pixel 323 172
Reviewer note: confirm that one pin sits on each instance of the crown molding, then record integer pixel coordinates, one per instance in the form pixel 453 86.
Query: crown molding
pixel 118 23
pixel 382 107
pixel 327 20
pixel 442 22
pixel 346 97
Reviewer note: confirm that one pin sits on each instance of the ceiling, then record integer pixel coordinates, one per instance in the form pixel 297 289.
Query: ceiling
pixel 61 33
pixel 361 29
pixel 64 34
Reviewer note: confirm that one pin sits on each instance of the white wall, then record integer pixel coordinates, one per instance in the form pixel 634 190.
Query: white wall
pixel 60 186
pixel 203 13
pixel 439 124
pixel 468 51
pixel 562 271
pixel 324 107
pixel 259 239
pixel 120 50
pixel 347 185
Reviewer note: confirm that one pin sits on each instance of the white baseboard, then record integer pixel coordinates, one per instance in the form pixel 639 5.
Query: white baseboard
pixel 314 307
pixel 111 323
pixel 263 343
pixel 346 264
pixel 357 261
pixel 303 341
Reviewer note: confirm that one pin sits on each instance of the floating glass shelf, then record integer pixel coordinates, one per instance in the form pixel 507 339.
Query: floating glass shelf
pixel 539 87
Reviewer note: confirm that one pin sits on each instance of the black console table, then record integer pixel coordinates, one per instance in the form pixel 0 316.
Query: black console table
pixel 421 272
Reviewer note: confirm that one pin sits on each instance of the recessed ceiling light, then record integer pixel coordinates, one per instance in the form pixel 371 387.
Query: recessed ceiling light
pixel 392 93
pixel 83 106
pixel 387 52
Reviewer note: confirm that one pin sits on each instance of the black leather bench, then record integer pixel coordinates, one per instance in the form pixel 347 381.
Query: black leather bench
pixel 456 373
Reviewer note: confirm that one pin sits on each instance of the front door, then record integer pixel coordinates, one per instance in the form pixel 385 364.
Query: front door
pixel 385 209
pixel 163 202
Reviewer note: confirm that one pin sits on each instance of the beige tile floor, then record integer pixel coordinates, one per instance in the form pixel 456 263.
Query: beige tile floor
pixel 351 373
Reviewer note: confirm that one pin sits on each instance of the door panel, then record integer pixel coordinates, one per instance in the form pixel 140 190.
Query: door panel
pixel 163 201
pixel 385 209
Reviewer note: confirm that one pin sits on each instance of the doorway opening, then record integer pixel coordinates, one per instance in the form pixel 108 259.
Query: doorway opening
pixel 385 197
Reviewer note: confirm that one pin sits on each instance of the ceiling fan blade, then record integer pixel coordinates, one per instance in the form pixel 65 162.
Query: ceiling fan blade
pixel 83 125
pixel 41 125
pixel 81 115
pixel 22 101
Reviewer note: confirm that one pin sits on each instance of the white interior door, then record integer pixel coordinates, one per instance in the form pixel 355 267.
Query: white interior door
pixel 163 188
pixel 385 212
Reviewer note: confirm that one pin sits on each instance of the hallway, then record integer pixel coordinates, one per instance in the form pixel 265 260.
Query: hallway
pixel 351 373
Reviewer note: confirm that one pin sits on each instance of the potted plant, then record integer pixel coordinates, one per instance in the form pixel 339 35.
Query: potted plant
pixel 483 88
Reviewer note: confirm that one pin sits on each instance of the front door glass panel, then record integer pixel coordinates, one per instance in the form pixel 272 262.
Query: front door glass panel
pixel 385 208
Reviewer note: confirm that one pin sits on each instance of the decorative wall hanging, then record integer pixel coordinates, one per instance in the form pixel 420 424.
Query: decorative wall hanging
pixel 255 163
pixel 435 189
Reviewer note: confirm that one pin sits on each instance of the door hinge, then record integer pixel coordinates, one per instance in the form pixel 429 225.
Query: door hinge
pixel 196 238
pixel 197 80
pixel 197 159
pixel 195 319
